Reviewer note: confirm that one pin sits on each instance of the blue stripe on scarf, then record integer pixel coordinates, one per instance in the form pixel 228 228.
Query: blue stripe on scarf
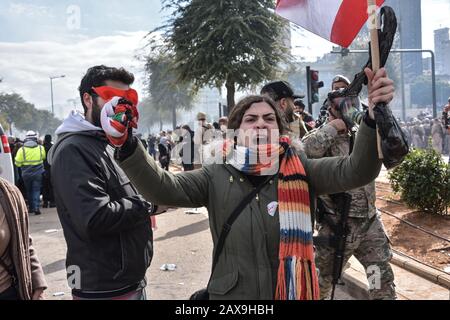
pixel 295 235
pixel 246 167
pixel 290 279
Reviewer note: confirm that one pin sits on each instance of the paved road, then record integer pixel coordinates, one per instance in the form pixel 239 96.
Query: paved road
pixel 180 239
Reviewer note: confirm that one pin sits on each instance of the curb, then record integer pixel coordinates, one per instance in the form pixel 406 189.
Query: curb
pixel 437 277
pixel 356 286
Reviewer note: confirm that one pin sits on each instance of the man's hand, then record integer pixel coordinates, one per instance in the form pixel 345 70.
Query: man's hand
pixel 118 116
pixel 381 88
pixel 339 125
pixel 38 294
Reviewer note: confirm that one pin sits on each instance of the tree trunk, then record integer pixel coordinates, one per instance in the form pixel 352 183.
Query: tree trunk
pixel 174 117
pixel 231 90
pixel 160 123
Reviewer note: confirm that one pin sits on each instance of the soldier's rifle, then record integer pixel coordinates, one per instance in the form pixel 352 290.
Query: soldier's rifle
pixel 343 202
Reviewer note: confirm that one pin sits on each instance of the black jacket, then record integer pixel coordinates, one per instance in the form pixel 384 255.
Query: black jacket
pixel 47 147
pixel 187 150
pixel 106 222
pixel 164 150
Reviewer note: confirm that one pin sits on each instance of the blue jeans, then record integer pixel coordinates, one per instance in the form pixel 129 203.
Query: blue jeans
pixel 33 186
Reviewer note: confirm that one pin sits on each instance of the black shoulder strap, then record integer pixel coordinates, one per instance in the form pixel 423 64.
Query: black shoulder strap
pixel 231 219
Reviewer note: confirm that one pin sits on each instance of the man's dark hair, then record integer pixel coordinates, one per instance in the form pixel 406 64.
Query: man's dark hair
pixel 98 75
pixel 278 90
pixel 299 103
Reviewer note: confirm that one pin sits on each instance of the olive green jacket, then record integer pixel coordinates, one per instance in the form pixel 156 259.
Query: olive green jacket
pixel 247 267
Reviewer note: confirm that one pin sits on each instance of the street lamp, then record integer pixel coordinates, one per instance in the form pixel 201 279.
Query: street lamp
pixel 10 122
pixel 51 89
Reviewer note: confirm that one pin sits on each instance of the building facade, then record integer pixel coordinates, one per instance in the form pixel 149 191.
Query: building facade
pixel 409 16
pixel 442 51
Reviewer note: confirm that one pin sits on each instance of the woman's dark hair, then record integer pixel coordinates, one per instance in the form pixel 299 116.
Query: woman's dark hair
pixel 186 127
pixel 237 114
pixel 98 75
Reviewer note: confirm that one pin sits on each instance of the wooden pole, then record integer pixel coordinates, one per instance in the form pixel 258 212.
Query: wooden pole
pixel 375 49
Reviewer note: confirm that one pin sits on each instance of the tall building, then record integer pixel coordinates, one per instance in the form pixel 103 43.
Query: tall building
pixel 409 16
pixel 207 101
pixel 442 51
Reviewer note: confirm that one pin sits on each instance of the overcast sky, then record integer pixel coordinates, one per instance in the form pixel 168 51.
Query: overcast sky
pixel 43 38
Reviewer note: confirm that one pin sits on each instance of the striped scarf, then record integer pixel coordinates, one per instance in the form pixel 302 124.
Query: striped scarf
pixel 297 276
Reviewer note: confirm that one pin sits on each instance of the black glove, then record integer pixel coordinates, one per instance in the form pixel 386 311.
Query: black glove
pixel 128 148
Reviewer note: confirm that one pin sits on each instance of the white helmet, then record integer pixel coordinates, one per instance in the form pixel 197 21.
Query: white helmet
pixel 31 134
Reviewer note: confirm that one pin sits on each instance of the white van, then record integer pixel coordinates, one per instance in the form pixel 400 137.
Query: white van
pixel 6 161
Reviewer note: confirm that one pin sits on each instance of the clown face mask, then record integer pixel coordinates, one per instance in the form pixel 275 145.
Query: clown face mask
pixel 107 93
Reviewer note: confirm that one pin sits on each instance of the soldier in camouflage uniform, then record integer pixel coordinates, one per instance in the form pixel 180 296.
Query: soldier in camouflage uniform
pixel 437 133
pixel 408 132
pixel 367 239
pixel 426 124
pixel 405 130
pixel 418 135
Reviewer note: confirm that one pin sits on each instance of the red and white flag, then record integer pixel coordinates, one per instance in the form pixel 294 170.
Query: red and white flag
pixel 338 21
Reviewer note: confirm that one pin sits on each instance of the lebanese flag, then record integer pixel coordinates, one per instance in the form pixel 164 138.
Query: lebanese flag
pixel 338 21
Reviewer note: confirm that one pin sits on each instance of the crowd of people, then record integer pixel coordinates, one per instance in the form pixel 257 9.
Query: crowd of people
pixel 31 170
pixel 424 132
pixel 185 146
pixel 107 193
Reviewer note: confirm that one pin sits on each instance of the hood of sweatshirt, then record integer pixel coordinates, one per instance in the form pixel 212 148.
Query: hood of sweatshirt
pixel 74 124
pixel 30 143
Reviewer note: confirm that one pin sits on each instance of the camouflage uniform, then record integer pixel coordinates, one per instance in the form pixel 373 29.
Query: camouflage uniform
pixel 426 124
pixel 418 135
pixel 406 131
pixel 409 134
pixel 437 133
pixel 367 239
pixel 297 128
